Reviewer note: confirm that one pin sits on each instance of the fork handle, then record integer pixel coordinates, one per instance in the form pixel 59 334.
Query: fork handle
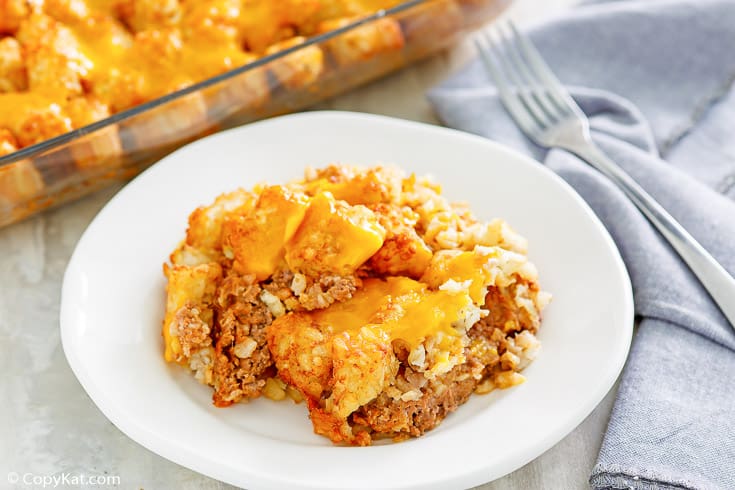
pixel 716 280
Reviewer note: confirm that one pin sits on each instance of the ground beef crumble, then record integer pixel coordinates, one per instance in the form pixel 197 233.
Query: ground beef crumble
pixel 242 359
pixel 328 289
pixel 395 417
pixel 192 332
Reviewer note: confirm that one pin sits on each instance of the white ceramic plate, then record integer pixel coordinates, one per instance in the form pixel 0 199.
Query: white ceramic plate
pixel 113 302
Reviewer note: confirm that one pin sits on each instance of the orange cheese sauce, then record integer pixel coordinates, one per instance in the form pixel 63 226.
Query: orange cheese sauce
pixel 461 267
pixel 11 102
pixel 403 308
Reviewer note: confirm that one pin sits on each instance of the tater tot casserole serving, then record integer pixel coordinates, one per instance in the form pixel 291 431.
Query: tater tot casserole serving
pixel 362 292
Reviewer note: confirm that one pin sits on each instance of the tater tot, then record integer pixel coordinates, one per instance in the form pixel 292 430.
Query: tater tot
pixel 146 14
pixel 433 24
pixel 39 124
pixel 12 12
pixel 211 20
pixel 265 23
pixel 119 89
pixel 178 120
pixel 8 143
pixel 19 183
pixel 159 54
pixel 99 148
pixel 12 66
pixel 54 61
pixel 66 10
pixel 157 46
pixel 364 42
pixel 242 95
pixel 404 252
pixel 32 118
pixel 300 68
pixel 85 110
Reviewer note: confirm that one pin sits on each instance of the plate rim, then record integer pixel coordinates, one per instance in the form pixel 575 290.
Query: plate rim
pixel 211 468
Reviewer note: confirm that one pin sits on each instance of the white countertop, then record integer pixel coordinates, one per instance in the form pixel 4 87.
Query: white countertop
pixel 48 423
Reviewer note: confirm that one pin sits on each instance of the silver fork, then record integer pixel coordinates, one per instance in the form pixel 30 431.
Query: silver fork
pixel 548 115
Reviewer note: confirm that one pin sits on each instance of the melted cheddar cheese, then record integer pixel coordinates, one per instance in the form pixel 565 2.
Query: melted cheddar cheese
pixel 333 238
pixel 402 308
pixel 257 241
pixel 318 235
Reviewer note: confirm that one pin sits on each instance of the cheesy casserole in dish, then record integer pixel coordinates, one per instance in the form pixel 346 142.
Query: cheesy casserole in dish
pixel 93 91
pixel 67 63
pixel 362 291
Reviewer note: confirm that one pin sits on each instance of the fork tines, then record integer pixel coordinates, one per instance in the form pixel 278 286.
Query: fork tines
pixel 528 88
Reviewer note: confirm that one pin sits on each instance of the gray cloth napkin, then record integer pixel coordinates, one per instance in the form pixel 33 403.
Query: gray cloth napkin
pixel 654 77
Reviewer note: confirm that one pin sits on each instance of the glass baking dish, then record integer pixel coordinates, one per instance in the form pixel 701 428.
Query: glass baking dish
pixel 116 148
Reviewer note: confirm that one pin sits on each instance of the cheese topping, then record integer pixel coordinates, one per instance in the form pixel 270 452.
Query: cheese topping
pixel 318 235
pixel 401 307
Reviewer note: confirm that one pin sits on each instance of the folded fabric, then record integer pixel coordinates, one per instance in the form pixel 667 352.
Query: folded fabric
pixel 655 79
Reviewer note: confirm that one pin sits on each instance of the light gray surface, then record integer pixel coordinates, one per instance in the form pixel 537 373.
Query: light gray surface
pixel 48 425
